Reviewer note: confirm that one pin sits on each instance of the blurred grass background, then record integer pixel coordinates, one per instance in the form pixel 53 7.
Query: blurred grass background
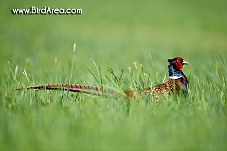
pixel 113 34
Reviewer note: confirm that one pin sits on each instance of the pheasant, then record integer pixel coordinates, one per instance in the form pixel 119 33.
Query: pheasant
pixel 177 82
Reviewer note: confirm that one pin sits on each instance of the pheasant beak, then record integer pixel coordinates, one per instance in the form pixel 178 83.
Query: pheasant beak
pixel 185 62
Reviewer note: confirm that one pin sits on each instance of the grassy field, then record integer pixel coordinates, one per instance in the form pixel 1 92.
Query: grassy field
pixel 37 49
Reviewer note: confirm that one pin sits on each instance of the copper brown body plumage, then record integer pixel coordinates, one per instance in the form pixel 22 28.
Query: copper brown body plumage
pixel 172 86
pixel 176 83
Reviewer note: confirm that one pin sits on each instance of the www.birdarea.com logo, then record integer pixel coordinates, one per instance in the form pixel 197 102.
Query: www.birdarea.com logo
pixel 46 11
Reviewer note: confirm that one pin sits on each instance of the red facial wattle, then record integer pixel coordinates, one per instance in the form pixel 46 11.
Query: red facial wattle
pixel 179 63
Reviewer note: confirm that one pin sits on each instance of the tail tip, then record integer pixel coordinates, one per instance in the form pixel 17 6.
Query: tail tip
pixel 18 89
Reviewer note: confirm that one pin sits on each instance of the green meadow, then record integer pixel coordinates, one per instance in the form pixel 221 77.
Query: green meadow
pixel 115 45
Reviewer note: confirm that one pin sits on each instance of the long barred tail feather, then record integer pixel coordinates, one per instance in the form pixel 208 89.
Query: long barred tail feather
pixel 69 87
pixel 84 89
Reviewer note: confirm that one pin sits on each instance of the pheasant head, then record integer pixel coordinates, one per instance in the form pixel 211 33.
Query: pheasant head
pixel 177 80
pixel 175 67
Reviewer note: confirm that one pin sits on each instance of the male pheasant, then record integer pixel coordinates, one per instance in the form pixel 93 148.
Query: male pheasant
pixel 177 82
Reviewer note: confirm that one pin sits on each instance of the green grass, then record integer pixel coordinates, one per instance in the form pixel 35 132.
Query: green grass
pixel 39 49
